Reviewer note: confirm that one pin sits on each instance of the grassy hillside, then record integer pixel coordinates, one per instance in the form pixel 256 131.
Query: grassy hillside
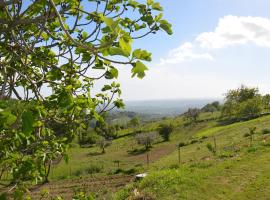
pixel 238 170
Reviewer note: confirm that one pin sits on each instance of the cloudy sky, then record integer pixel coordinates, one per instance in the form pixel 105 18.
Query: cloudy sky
pixel 217 45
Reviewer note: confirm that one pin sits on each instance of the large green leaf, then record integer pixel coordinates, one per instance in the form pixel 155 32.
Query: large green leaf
pixel 125 43
pixel 166 26
pixel 139 70
pixel 27 122
pixel 142 55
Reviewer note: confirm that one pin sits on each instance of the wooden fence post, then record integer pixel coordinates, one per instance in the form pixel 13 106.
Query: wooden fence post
pixel 179 155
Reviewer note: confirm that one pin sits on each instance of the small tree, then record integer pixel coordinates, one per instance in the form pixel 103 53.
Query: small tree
pixel 134 122
pixel 192 114
pixel 211 148
pixel 165 131
pixel 103 143
pixel 252 132
pixel 146 139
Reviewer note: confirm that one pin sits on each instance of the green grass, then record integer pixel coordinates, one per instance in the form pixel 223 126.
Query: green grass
pixel 237 171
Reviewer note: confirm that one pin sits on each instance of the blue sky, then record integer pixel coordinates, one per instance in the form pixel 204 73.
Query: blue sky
pixel 217 45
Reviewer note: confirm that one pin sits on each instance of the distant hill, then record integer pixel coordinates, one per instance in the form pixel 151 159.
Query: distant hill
pixel 161 108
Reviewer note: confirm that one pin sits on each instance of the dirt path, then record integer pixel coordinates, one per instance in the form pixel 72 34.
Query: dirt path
pixel 66 188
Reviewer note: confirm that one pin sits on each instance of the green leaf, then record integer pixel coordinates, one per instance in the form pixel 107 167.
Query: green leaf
pixel 27 122
pixel 166 26
pixel 125 43
pixel 84 35
pixel 150 2
pixel 159 17
pixel 116 51
pixel 112 73
pixel 119 103
pixel 55 74
pixel 139 69
pixel 157 6
pixel 133 4
pixel 45 36
pixel 142 55
pixel 106 87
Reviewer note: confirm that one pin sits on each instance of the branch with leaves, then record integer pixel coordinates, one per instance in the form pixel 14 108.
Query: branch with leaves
pixel 52 55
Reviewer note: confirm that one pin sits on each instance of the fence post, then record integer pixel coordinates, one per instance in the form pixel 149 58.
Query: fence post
pixel 179 155
pixel 215 144
pixel 147 157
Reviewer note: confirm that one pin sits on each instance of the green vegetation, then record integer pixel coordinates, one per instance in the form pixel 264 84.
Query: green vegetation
pixel 67 141
pixel 67 48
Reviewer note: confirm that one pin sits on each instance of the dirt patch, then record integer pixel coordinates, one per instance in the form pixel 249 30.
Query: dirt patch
pixel 154 154
pixel 67 188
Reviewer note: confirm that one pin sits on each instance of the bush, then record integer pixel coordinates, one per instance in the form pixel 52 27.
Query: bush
pixel 252 149
pixel 146 139
pixel 211 148
pixel 103 143
pixel 123 171
pixel 87 138
pixel 165 131
pixel 181 144
pixel 246 135
pixel 92 169
pixel 265 131
pixel 194 141
pixel 201 165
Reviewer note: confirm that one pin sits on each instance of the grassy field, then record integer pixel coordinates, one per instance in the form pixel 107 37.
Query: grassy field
pixel 238 170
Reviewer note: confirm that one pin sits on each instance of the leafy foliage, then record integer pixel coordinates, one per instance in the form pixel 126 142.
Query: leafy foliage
pixel 192 114
pixel 146 139
pixel 65 47
pixel 165 131
pixel 243 102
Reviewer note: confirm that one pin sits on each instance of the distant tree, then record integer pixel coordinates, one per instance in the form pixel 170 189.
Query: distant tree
pixel 134 121
pixel 250 108
pixel 106 130
pixel 146 139
pixel 103 143
pixel 243 102
pixel 87 137
pixel 266 102
pixel 242 94
pixel 211 107
pixel 192 114
pixel 165 131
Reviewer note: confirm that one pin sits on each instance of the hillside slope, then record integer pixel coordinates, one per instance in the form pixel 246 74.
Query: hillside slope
pixel 238 170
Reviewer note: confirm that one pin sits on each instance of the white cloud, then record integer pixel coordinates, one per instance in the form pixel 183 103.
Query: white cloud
pixel 230 31
pixel 184 53
pixel 234 30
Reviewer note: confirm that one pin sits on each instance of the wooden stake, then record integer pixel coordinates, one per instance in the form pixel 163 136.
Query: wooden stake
pixel 147 157
pixel 179 156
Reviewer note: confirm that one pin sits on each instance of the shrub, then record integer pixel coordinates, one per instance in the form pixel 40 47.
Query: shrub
pixel 201 165
pixel 165 131
pixel 87 138
pixel 265 131
pixel 146 139
pixel 181 144
pixel 193 141
pixel 211 148
pixel 103 143
pixel 252 149
pixel 123 171
pixel 92 169
pixel 246 135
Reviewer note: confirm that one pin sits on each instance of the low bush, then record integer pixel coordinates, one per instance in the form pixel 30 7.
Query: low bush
pixel 265 131
pixel 252 149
